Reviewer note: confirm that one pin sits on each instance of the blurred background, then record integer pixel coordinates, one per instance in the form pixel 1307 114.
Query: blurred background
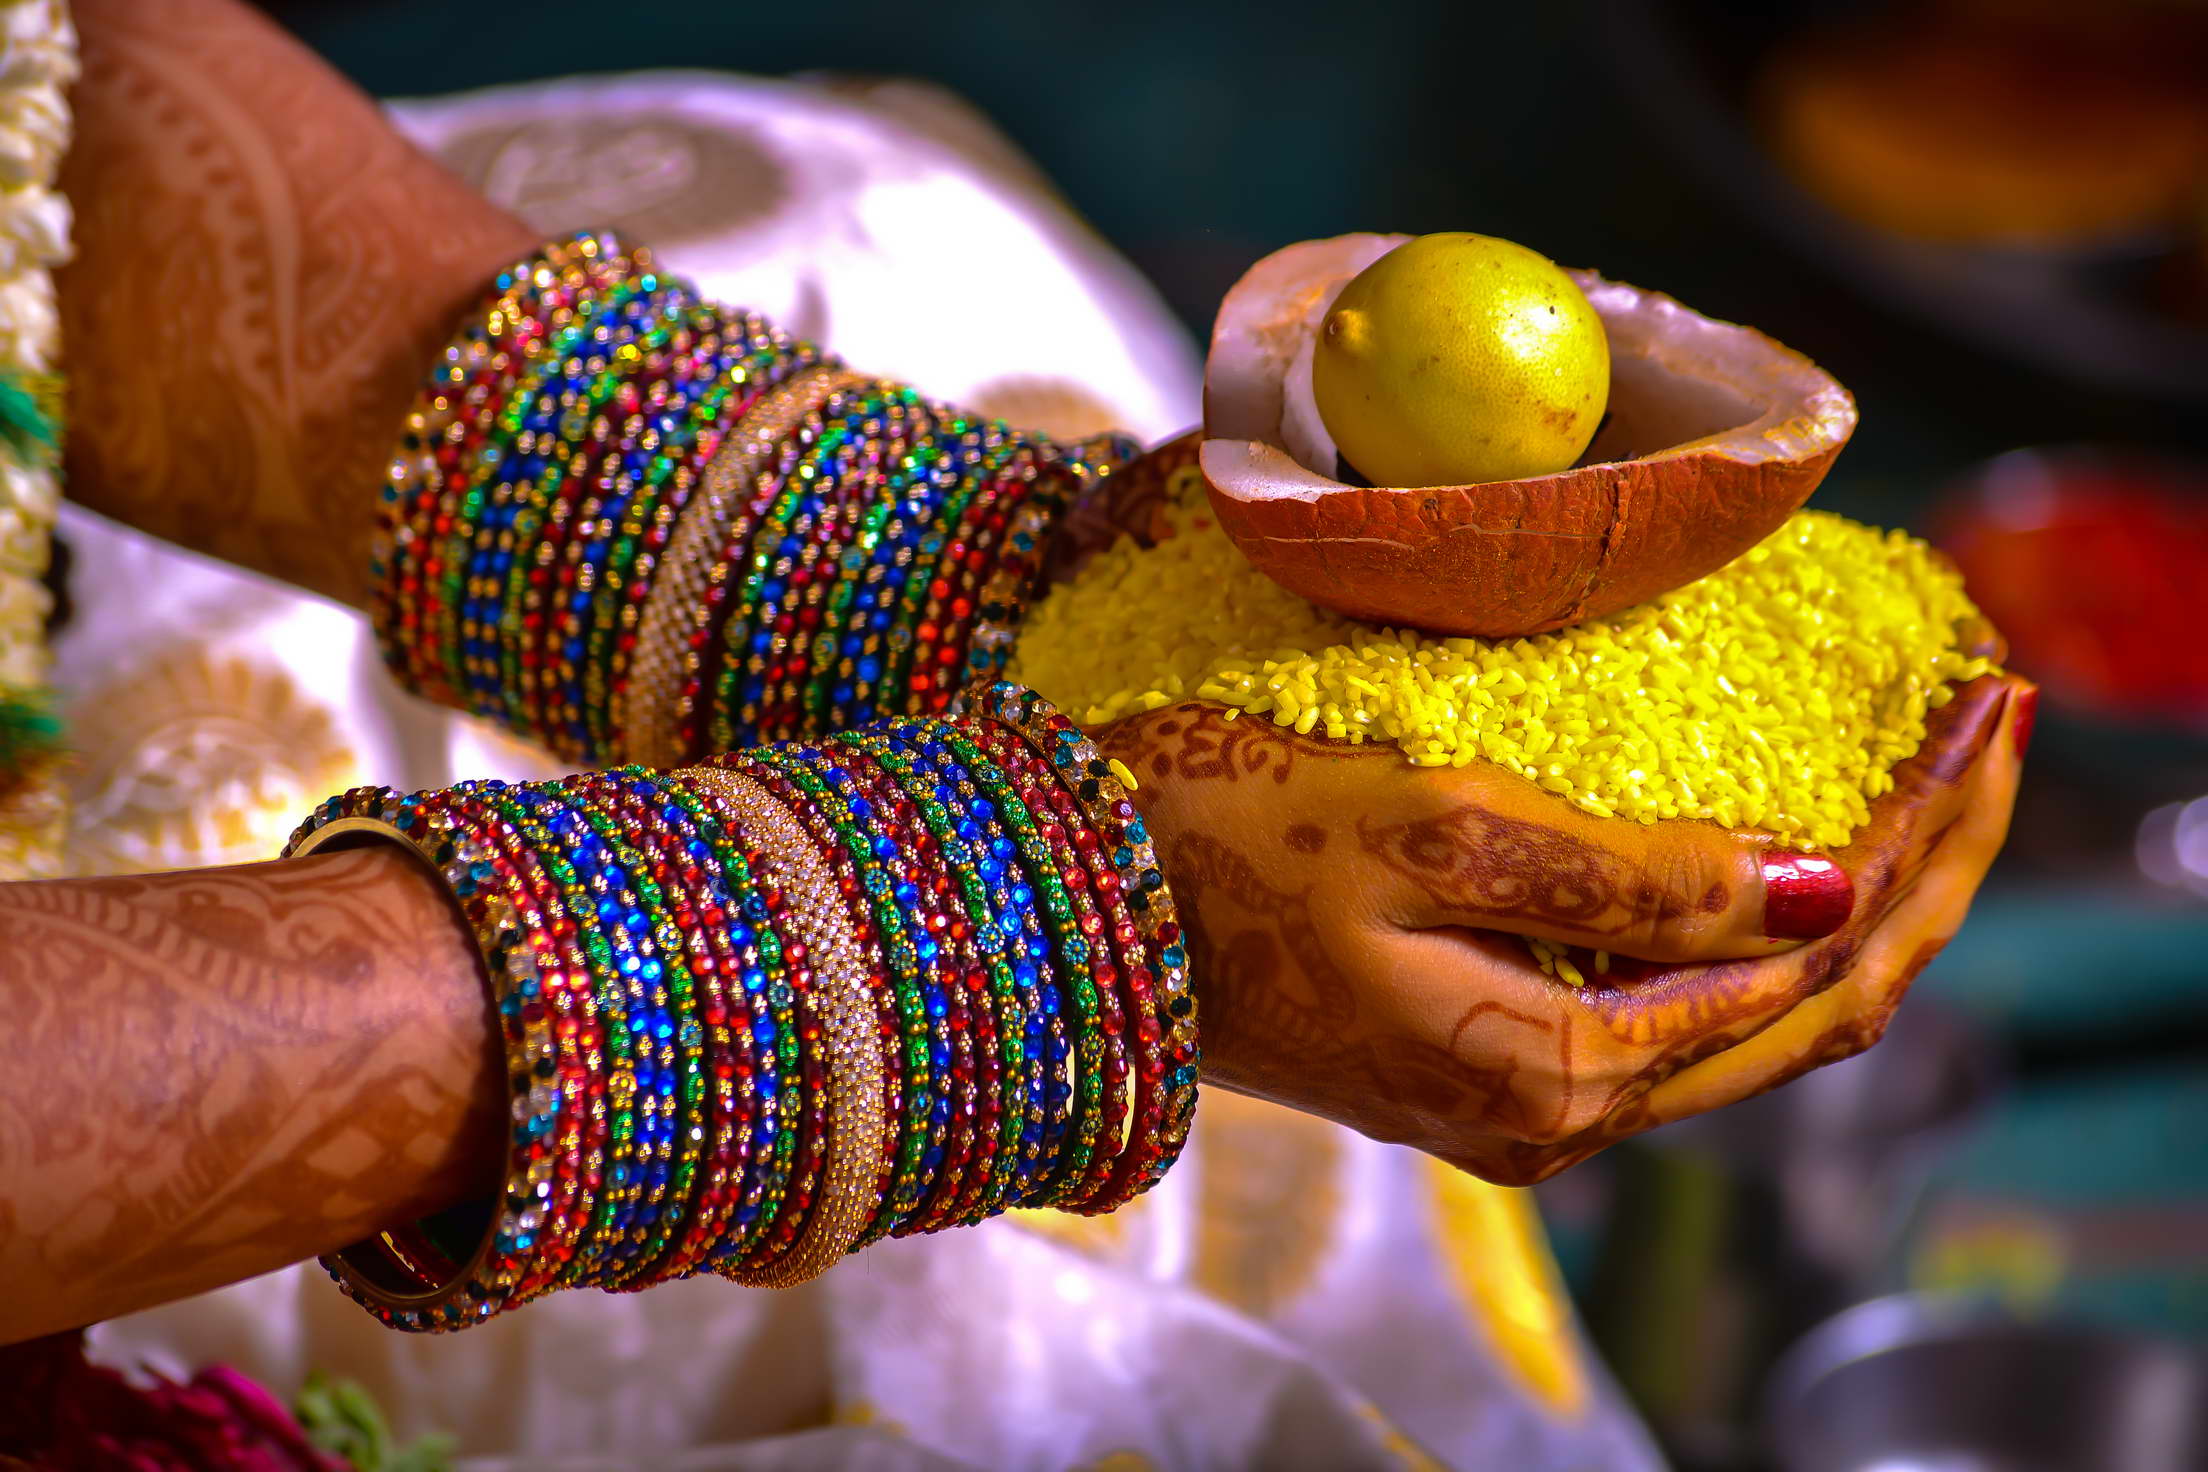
pixel 1990 219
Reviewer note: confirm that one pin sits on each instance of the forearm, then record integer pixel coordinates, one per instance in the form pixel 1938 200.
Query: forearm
pixel 204 1076
pixel 264 269
pixel 744 1017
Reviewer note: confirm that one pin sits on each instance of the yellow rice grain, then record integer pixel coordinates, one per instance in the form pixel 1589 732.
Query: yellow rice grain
pixel 1775 694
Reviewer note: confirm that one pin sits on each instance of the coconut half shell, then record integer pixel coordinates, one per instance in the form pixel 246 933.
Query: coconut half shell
pixel 1716 435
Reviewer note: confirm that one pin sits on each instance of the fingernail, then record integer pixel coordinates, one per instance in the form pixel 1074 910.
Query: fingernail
pixel 2027 715
pixel 1805 896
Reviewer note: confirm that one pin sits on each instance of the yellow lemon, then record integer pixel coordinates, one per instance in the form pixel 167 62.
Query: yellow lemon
pixel 1457 359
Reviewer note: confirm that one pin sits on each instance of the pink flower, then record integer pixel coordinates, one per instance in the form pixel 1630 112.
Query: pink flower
pixel 61 1413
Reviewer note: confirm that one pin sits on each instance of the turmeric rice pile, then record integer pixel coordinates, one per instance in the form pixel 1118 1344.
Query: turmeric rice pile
pixel 1775 694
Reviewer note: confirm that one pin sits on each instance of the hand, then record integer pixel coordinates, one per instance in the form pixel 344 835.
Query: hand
pixel 1355 922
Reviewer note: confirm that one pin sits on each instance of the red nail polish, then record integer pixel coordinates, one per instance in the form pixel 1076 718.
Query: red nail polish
pixel 2027 715
pixel 1805 896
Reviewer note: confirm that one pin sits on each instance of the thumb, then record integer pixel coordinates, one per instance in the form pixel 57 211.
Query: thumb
pixel 1490 850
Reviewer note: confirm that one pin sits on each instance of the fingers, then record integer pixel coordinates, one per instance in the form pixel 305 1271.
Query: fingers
pixel 1926 791
pixel 1674 1043
pixel 1306 861
pixel 1827 1026
pixel 1959 800
pixel 1848 1017
pixel 1977 638
pixel 1480 847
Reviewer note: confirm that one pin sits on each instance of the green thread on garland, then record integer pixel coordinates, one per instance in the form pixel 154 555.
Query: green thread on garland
pixel 30 415
pixel 30 732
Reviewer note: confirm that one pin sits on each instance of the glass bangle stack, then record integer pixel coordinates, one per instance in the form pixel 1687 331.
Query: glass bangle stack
pixel 633 525
pixel 762 1011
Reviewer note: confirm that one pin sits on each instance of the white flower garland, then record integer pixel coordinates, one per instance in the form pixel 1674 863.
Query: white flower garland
pixel 38 61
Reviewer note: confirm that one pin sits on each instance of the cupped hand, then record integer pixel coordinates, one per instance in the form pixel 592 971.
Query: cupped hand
pixel 1356 923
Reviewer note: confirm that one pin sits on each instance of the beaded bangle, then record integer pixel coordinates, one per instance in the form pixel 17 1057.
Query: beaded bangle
pixel 568 992
pixel 877 425
pixel 1031 882
pixel 580 413
pixel 756 580
pixel 921 891
pixel 757 364
pixel 904 466
pixel 967 1072
pixel 799 1145
pixel 648 708
pixel 758 649
pixel 447 434
pixel 559 407
pixel 622 804
pixel 871 951
pixel 632 1063
pixel 1027 881
pixel 1080 922
pixel 942 565
pixel 628 523
pixel 486 1281
pixel 722 954
pixel 1001 602
pixel 683 405
pixel 672 1166
pixel 770 984
pixel 702 690
pixel 987 913
pixel 843 810
pixel 700 958
pixel 857 1123
pixel 1167 1036
pixel 751 959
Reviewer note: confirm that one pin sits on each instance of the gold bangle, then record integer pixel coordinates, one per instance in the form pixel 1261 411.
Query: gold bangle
pixel 649 711
pixel 858 1116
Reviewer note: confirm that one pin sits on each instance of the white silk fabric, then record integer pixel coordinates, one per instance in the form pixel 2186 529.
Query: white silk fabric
pixel 1293 1296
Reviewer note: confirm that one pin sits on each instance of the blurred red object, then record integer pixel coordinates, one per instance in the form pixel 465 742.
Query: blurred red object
pixel 2095 565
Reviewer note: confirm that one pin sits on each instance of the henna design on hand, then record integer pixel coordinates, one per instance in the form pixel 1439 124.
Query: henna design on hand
pixel 1198 743
pixel 1320 995
pixel 1474 860
pixel 1284 1020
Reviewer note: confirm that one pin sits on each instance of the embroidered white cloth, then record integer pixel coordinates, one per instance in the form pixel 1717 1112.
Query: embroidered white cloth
pixel 1293 1296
